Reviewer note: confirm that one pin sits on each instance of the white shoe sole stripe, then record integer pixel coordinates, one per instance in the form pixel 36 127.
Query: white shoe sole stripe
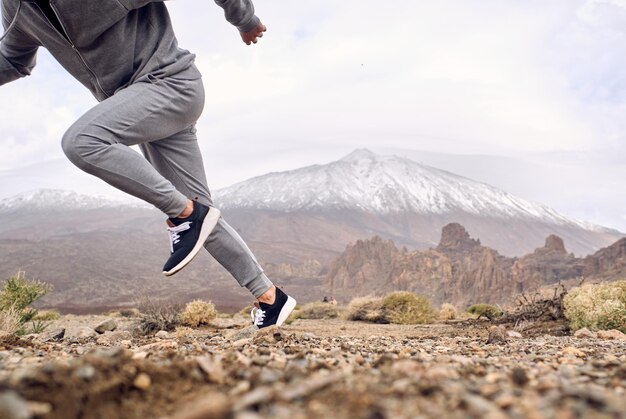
pixel 209 223
pixel 286 311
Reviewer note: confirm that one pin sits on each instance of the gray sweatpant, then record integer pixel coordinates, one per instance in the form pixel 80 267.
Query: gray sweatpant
pixel 159 115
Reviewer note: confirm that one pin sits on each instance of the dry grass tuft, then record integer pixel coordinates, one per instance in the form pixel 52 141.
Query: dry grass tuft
pixel 405 307
pixel 47 315
pixel 448 312
pixel 10 321
pixel 317 310
pixel 125 312
pixel 485 310
pixel 158 315
pixel 367 309
pixel 597 306
pixel 184 334
pixel 198 313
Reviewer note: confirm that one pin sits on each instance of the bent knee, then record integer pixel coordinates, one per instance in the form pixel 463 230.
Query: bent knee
pixel 79 146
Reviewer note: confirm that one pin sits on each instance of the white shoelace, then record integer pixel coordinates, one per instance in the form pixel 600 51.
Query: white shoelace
pixel 174 233
pixel 258 316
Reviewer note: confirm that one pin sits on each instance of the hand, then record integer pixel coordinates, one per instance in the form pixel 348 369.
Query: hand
pixel 252 36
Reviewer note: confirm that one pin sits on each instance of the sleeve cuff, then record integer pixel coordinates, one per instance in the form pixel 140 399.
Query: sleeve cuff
pixel 253 23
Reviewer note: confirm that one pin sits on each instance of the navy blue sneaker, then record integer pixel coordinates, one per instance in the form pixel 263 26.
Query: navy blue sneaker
pixel 188 235
pixel 273 314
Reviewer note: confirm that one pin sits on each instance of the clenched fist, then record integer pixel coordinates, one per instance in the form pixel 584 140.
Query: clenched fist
pixel 252 36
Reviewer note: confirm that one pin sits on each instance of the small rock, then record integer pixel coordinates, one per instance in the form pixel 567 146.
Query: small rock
pixel 514 335
pixel 584 333
pixel 611 335
pixel 519 376
pixel 238 344
pixel 243 360
pixel 257 396
pixel 310 386
pixel 480 407
pixel 570 350
pixel 126 343
pixel 108 325
pixel 268 335
pixel 268 376
pixel 407 367
pixel 220 323
pixel 85 332
pixel 111 338
pixel 12 406
pixel 213 405
pixel 140 355
pixel 39 409
pixel 86 372
pixel 212 367
pixel 497 334
pixel 55 335
pixel 8 338
pixel 162 334
pixel 159 346
pixel 245 333
pixel 142 381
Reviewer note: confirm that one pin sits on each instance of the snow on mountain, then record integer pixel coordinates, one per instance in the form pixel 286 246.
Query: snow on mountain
pixel 380 184
pixel 56 199
pixel 362 180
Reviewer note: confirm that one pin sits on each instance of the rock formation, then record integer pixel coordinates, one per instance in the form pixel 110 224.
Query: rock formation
pixel 462 271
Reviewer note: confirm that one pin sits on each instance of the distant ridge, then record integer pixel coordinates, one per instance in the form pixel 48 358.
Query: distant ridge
pixel 55 199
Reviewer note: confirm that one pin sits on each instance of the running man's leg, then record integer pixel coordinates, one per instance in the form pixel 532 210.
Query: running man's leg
pixel 178 158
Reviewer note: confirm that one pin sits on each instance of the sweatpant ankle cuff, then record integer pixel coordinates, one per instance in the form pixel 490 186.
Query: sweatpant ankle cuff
pixel 259 285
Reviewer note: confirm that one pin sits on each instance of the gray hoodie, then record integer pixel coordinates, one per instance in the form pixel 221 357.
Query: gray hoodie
pixel 105 44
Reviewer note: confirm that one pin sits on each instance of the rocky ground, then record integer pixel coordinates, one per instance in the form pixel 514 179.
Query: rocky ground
pixel 311 368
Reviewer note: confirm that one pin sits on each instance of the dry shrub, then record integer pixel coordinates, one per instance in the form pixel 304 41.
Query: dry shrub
pixel 367 309
pixel 404 307
pixel 10 321
pixel 18 293
pixel 184 333
pixel 485 310
pixel 47 315
pixel 597 306
pixel 158 315
pixel 448 312
pixel 197 313
pixel 317 310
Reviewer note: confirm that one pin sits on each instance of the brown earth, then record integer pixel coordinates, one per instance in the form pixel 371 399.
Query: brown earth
pixel 321 368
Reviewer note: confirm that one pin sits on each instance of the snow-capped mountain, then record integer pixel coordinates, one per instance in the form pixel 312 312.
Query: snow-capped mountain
pixel 318 210
pixel 379 184
pixel 57 199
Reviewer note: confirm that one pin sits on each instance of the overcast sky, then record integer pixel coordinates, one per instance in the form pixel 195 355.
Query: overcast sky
pixel 539 83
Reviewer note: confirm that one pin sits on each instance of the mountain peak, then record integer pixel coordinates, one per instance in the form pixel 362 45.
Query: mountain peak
pixel 360 154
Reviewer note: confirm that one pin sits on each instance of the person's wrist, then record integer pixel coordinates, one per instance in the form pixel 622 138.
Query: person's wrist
pixel 250 25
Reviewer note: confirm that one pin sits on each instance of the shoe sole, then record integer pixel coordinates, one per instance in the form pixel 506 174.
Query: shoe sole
pixel 290 304
pixel 208 224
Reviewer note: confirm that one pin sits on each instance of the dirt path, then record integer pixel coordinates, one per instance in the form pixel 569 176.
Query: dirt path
pixel 325 368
